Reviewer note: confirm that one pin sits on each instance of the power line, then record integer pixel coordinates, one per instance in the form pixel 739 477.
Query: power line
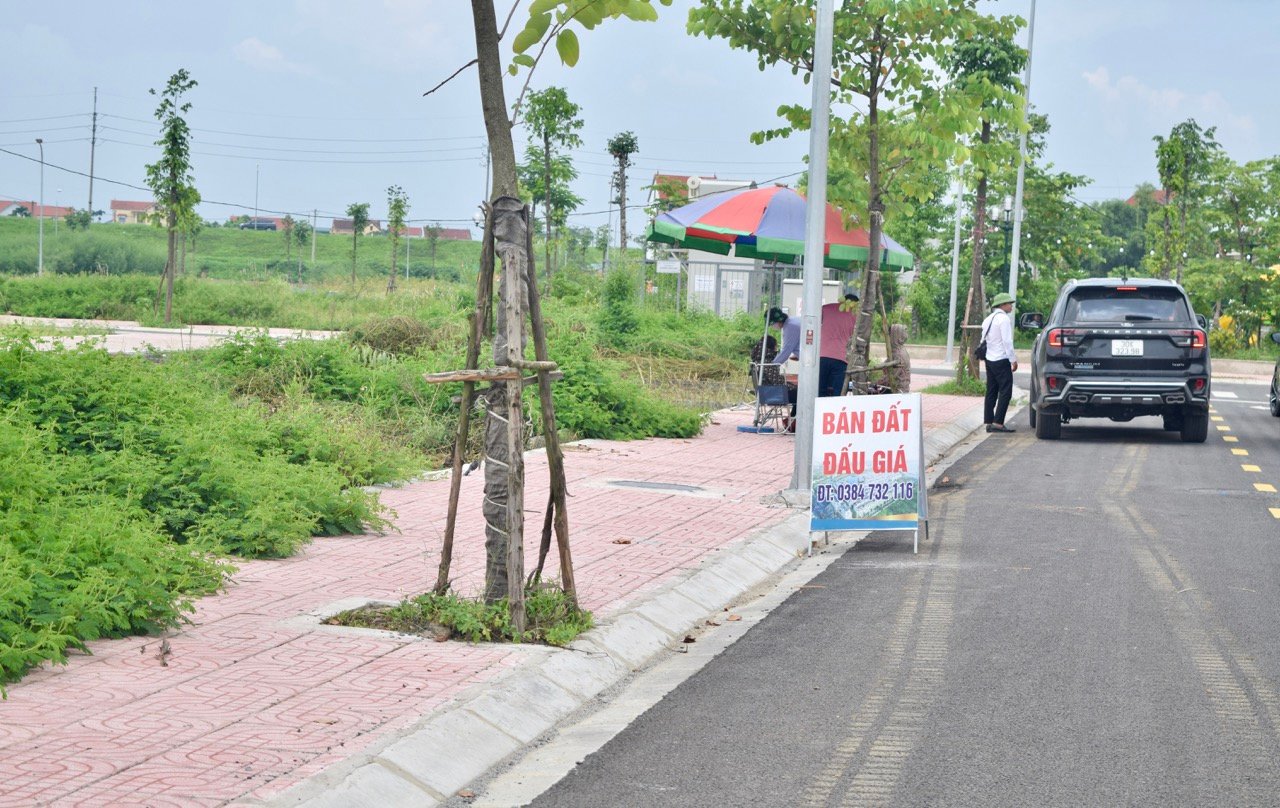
pixel 46 118
pixel 309 139
pixel 236 205
pixel 298 159
pixel 45 129
pixel 296 151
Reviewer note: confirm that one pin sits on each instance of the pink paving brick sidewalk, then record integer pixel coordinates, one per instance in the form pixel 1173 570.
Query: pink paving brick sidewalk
pixel 250 699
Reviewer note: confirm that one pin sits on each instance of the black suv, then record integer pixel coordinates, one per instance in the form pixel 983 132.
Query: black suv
pixel 1119 348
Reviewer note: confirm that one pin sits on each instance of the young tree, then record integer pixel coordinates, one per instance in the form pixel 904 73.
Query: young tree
pixel 359 213
pixel 397 209
pixel 22 212
pixel 884 68
pixel 1183 161
pixel 286 229
pixel 302 235
pixel 78 220
pixel 433 241
pixel 975 64
pixel 548 20
pixel 622 146
pixel 553 123
pixel 170 177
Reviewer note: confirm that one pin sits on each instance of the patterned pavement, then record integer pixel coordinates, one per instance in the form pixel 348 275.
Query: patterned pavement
pixel 253 697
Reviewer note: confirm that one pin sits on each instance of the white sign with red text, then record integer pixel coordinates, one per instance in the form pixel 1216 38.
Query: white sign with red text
pixel 868 463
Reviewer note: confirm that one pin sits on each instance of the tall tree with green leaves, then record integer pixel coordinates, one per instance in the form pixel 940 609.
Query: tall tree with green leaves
pixel 905 118
pixel 976 64
pixel 359 213
pixel 621 147
pixel 1183 161
pixel 397 209
pixel 553 122
pixel 170 177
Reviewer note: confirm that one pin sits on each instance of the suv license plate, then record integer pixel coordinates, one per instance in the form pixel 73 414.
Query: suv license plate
pixel 1126 347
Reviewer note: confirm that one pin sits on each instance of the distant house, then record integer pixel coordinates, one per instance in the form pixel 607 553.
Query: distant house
pixel 455 234
pixel 1160 196
pixel 9 206
pixel 124 211
pixel 408 232
pixel 345 227
pixel 669 190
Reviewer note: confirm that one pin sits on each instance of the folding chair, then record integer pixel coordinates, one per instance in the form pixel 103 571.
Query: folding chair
pixel 773 401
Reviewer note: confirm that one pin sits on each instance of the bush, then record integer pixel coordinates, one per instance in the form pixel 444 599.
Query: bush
pixel 393 335
pixel 209 470
pixel 617 318
pixel 77 563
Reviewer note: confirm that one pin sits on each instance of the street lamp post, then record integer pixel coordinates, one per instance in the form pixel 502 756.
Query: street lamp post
pixel 40 225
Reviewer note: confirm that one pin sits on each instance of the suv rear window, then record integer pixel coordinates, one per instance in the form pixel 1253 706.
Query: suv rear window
pixel 1110 305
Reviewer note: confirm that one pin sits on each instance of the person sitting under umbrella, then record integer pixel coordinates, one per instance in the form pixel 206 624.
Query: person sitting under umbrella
pixel 790 328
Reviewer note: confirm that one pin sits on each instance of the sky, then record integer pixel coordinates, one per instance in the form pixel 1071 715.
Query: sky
pixel 315 104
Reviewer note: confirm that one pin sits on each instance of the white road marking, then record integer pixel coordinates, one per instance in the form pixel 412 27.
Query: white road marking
pixel 1224 394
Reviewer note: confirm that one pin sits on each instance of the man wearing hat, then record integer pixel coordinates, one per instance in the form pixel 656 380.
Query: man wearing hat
pixel 997 331
pixel 838 320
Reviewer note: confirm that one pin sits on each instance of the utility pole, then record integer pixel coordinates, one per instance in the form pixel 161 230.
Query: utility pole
pixel 313 239
pixel 1022 163
pixel 254 225
pixel 40 254
pixel 814 247
pixel 93 145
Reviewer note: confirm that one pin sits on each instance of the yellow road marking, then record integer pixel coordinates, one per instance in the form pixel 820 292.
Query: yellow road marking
pixel 1241 452
pixel 1223 428
pixel 1215 418
pixel 1267 488
pixel 1250 467
pixel 1230 439
pixel 1275 512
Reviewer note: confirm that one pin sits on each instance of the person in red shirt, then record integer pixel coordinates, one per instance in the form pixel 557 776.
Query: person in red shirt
pixel 838 320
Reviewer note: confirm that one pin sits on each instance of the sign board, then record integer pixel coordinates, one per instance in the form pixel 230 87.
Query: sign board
pixel 704 283
pixel 668 266
pixel 868 463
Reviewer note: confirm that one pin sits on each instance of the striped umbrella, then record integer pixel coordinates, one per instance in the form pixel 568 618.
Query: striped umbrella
pixel 768 223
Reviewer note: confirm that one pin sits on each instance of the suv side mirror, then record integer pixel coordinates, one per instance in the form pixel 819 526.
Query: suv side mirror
pixel 1203 321
pixel 1031 321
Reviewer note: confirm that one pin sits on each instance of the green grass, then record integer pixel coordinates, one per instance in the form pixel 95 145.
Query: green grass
pixel 221 252
pixel 551 618
pixel 951 387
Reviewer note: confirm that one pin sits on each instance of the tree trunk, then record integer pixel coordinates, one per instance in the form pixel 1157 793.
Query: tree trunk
pixel 509 245
pixel 975 310
pixel 170 267
pixel 546 198
pixel 871 276
pixel 622 205
pixel 395 253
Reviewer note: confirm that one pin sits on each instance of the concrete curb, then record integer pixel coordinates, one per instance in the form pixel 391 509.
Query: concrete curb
pixel 430 762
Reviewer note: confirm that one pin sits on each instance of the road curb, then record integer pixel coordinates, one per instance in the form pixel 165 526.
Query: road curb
pixel 431 761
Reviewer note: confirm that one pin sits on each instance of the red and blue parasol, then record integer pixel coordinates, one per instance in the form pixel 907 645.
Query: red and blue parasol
pixel 768 224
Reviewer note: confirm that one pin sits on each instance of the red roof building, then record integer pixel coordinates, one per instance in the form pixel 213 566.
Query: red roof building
pixel 124 211
pixel 34 209
pixel 1160 196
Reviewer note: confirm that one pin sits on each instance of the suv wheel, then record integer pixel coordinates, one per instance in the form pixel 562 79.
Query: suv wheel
pixel 1031 408
pixel 1049 426
pixel 1275 400
pixel 1195 427
pixel 1172 422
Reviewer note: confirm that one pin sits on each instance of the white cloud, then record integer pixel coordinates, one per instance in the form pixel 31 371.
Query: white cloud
pixel 261 56
pixel 1169 105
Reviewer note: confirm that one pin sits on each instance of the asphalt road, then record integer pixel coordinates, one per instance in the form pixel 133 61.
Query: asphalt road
pixel 1092 623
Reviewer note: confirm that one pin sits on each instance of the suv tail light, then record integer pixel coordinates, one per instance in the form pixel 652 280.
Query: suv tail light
pixel 1199 384
pixel 1064 337
pixel 1054 383
pixel 1189 338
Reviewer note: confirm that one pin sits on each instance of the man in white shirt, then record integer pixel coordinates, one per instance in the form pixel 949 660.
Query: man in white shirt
pixel 1001 362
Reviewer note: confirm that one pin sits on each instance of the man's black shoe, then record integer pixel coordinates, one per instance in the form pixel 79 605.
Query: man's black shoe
pixel 1000 428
